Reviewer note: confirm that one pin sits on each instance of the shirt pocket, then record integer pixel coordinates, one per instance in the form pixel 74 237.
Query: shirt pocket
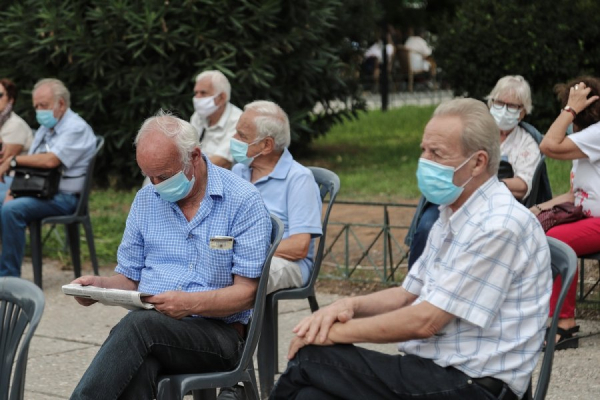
pixel 218 267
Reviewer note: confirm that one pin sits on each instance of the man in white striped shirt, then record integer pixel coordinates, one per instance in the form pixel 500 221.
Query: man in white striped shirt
pixel 470 316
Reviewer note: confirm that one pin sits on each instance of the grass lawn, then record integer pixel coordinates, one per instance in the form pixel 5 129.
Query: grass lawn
pixel 375 157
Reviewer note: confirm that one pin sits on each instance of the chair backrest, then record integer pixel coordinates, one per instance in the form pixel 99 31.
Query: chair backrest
pixel 543 191
pixel 21 307
pixel 256 322
pixel 82 205
pixel 536 182
pixel 329 183
pixel 564 263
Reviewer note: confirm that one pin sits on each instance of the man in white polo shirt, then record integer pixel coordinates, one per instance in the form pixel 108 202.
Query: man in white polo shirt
pixel 214 116
pixel 471 314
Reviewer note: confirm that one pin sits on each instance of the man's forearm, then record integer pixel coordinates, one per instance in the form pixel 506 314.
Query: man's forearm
pixel 381 302
pixel 118 281
pixel 413 322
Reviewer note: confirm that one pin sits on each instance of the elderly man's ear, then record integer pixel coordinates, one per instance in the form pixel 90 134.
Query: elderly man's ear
pixel 269 144
pixel 481 163
pixel 221 99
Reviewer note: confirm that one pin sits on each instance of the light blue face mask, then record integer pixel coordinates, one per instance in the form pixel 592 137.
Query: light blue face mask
pixel 239 151
pixel 175 188
pixel 435 181
pixel 46 118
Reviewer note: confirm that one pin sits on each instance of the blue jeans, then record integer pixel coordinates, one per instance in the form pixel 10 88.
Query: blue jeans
pixel 16 214
pixel 146 344
pixel 430 214
pixel 350 372
pixel 4 187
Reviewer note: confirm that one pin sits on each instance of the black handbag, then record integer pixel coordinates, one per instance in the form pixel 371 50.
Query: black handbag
pixel 36 182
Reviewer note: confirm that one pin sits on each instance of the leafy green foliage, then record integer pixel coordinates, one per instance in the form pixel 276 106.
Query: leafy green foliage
pixel 547 42
pixel 124 60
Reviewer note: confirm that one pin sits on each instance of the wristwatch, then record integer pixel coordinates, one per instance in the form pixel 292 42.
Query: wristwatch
pixel 13 162
pixel 570 109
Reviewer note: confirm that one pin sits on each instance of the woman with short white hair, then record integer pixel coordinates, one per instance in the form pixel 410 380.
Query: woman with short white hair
pixel 509 102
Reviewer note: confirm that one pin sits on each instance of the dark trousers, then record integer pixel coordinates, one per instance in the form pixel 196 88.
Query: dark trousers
pixel 350 372
pixel 146 343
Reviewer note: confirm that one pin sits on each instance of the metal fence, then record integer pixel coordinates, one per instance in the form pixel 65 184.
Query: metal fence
pixel 365 251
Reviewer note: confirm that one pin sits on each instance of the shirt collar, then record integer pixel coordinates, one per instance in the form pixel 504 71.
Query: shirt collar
pixel 458 219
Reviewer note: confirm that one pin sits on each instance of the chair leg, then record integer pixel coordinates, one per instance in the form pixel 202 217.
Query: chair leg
pixel 314 305
pixel 73 237
pixel 89 236
pixel 267 346
pixel 35 239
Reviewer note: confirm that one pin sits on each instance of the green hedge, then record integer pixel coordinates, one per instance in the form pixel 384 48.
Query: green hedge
pixel 123 60
pixel 547 42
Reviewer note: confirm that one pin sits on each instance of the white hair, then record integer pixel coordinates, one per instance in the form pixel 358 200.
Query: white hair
pixel 219 82
pixel 59 90
pixel 181 132
pixel 512 85
pixel 480 131
pixel 271 121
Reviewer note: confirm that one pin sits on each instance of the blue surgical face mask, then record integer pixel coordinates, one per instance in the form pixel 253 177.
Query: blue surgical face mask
pixel 435 181
pixel 239 151
pixel 46 118
pixel 175 188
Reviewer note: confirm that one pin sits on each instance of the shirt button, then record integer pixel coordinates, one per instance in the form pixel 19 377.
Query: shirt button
pixel 179 288
pixel 470 382
pixel 191 266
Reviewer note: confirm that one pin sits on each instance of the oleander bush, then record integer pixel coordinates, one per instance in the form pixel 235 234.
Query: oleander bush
pixel 548 42
pixel 124 60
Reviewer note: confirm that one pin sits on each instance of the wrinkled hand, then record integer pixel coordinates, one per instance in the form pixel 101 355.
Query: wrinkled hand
pixel 298 342
pixel 578 100
pixel 174 304
pixel 317 325
pixel 87 280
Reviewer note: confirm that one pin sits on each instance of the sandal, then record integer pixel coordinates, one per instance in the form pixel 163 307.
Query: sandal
pixel 566 339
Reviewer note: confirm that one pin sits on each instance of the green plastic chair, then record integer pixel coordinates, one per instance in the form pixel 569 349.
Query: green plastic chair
pixel 21 308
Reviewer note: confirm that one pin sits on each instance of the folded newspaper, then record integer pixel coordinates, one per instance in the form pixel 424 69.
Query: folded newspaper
pixel 130 299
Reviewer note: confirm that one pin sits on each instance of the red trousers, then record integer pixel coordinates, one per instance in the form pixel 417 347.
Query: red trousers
pixel 583 237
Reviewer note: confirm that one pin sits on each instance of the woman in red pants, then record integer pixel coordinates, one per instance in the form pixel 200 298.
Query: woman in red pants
pixel 580 108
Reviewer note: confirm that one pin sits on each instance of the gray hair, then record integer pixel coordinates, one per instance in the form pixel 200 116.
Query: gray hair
pixel 219 82
pixel 480 131
pixel 514 85
pixel 271 121
pixel 59 90
pixel 182 132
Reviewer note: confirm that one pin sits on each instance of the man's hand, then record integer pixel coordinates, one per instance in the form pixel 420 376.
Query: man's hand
pixel 298 342
pixel 87 280
pixel 317 325
pixel 174 304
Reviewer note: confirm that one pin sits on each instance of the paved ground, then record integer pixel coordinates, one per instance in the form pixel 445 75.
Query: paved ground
pixel 69 336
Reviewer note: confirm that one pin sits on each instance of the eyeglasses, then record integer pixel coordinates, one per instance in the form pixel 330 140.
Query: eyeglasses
pixel 498 104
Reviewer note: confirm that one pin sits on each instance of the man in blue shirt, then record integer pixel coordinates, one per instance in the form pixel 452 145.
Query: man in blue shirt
pixel 203 288
pixel 63 139
pixel 288 189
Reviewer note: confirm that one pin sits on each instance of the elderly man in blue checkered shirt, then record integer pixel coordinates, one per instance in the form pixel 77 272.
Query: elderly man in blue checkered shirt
pixel 196 240
pixel 470 316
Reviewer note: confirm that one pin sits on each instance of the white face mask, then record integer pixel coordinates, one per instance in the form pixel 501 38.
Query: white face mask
pixel 205 106
pixel 505 119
